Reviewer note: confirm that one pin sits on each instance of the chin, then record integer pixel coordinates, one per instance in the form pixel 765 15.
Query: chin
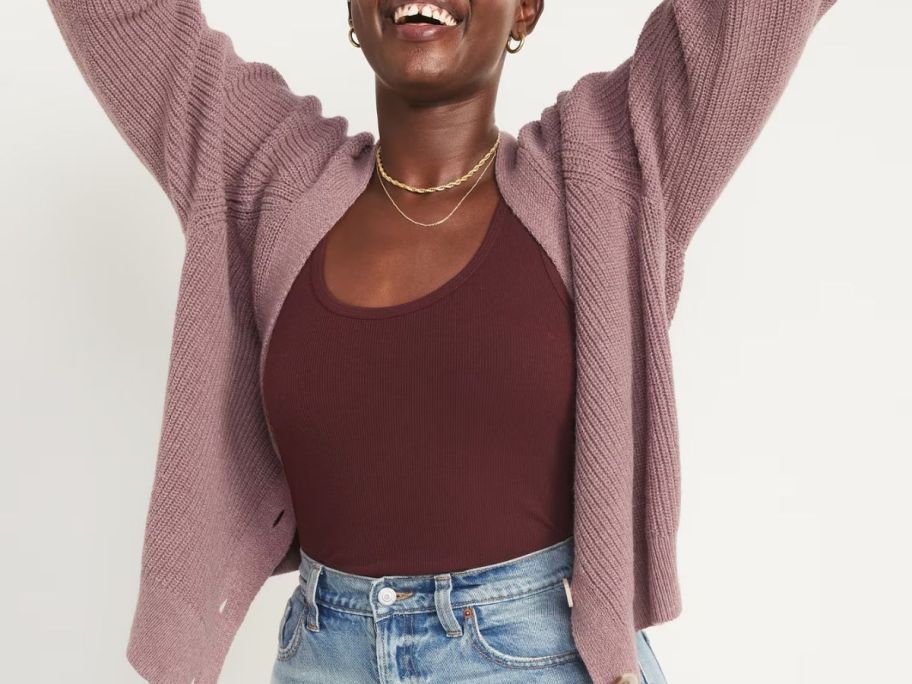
pixel 419 77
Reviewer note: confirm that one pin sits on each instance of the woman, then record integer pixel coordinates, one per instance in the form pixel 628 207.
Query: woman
pixel 430 372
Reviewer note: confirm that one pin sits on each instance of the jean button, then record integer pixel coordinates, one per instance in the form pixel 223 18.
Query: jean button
pixel 387 596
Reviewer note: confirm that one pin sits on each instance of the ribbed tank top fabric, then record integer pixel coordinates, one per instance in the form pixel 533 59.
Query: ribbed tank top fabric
pixel 433 435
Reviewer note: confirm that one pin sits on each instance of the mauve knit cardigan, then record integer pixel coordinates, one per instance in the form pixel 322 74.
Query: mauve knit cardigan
pixel 612 180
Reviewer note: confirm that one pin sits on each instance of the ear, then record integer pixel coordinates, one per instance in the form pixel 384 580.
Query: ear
pixel 527 15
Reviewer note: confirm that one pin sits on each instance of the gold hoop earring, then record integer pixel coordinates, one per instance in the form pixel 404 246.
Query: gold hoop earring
pixel 514 50
pixel 351 36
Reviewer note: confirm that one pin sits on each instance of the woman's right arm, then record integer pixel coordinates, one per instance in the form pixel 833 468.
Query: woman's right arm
pixel 196 114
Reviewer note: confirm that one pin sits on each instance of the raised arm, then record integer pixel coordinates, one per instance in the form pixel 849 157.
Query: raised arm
pixel 704 78
pixel 195 113
pixel 669 125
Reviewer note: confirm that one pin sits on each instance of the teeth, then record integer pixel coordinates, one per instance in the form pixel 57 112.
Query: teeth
pixel 424 9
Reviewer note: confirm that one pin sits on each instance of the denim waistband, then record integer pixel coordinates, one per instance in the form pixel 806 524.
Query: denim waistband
pixel 393 594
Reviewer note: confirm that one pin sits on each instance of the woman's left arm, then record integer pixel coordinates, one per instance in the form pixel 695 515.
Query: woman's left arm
pixel 704 78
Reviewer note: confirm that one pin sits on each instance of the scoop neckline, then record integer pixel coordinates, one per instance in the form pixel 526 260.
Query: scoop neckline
pixel 328 300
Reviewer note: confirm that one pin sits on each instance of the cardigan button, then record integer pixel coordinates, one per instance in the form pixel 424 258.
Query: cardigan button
pixel 627 678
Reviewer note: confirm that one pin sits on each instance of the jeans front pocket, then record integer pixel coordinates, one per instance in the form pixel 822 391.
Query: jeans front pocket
pixel 528 631
pixel 291 625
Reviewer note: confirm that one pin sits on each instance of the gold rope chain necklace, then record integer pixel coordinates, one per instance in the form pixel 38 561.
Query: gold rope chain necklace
pixel 437 188
pixel 453 211
pixel 383 175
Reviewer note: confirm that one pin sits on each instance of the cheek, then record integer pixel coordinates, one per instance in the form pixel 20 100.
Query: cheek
pixel 489 28
pixel 483 56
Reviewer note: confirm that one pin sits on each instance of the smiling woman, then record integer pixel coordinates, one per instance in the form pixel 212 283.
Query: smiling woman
pixel 459 432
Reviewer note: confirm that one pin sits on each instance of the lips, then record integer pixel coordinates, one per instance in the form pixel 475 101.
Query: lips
pixel 420 32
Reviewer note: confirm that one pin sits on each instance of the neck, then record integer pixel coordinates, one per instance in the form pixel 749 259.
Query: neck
pixel 426 144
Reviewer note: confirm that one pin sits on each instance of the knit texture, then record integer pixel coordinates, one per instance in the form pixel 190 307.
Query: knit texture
pixel 612 180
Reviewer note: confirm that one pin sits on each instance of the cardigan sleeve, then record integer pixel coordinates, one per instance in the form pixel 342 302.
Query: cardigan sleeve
pixel 194 112
pixel 704 78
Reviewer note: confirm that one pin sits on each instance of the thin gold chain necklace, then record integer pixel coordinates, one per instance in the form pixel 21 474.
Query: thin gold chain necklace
pixel 435 223
pixel 436 188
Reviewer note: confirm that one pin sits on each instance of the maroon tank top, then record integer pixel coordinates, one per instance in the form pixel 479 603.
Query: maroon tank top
pixel 434 435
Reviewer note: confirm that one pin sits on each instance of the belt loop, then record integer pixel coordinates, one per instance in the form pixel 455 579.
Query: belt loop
pixel 442 587
pixel 312 618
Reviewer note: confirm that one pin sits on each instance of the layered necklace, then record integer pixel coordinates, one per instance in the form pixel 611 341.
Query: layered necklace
pixel 484 162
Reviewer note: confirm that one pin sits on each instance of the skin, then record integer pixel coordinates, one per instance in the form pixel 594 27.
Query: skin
pixel 435 112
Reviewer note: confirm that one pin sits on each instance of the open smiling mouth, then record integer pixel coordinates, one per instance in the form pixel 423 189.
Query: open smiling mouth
pixel 421 21
pixel 423 13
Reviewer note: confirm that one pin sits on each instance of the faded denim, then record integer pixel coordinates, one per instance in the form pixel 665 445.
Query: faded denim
pixel 506 623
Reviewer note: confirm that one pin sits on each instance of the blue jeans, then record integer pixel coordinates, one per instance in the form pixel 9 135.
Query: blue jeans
pixel 497 624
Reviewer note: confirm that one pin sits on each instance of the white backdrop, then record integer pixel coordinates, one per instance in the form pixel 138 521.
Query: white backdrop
pixel 791 343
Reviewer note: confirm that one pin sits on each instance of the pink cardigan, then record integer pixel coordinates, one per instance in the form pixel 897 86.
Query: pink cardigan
pixel 612 180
